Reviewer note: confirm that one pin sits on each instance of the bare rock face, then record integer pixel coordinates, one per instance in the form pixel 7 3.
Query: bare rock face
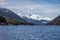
pixel 56 21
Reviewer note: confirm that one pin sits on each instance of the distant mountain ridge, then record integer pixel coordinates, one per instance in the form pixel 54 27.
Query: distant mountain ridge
pixel 36 19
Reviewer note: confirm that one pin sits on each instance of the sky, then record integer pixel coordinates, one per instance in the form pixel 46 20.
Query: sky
pixel 45 8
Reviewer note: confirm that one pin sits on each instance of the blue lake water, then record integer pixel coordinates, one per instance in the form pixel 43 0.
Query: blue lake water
pixel 26 32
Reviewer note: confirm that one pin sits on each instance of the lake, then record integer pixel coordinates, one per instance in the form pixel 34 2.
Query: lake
pixel 30 32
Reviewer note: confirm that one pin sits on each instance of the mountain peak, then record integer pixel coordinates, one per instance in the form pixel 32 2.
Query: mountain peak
pixel 36 17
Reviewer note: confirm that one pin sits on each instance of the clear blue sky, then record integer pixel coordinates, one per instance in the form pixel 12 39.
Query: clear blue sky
pixel 45 8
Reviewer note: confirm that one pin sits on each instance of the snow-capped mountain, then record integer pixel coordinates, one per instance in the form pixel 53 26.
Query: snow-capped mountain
pixel 36 19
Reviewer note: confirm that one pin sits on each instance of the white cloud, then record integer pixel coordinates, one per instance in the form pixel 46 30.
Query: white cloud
pixel 29 8
pixel 2 2
pixel 50 11
pixel 36 8
pixel 45 8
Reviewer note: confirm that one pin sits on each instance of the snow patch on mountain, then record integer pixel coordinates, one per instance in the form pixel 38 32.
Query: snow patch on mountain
pixel 35 17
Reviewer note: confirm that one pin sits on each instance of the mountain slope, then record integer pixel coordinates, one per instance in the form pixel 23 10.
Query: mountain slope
pixel 3 21
pixel 11 17
pixel 56 21
pixel 9 13
pixel 38 22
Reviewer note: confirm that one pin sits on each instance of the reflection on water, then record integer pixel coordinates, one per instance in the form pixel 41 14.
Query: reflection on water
pixel 29 32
